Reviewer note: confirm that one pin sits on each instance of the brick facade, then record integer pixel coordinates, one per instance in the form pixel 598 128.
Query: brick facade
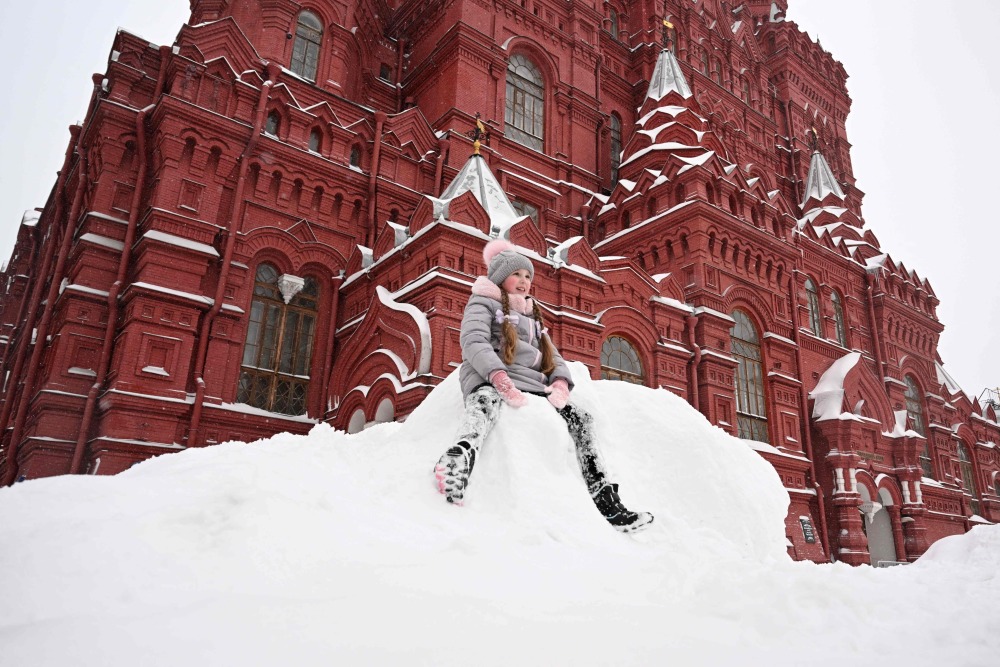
pixel 247 236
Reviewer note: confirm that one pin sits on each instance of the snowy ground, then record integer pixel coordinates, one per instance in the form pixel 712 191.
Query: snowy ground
pixel 331 549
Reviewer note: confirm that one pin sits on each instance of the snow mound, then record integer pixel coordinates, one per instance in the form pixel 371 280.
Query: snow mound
pixel 335 549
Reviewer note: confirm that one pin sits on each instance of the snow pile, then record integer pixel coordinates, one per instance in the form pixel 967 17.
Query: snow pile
pixel 335 549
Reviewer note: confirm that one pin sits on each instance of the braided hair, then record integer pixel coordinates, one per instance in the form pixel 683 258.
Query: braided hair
pixel 508 342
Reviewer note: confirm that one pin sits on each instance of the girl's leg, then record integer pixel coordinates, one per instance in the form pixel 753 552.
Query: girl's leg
pixel 482 407
pixel 581 429
pixel 604 493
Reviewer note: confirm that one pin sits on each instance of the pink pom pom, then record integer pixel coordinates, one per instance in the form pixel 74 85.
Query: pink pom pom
pixel 495 247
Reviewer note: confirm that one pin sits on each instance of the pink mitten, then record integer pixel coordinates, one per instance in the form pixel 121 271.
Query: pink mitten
pixel 511 395
pixel 558 393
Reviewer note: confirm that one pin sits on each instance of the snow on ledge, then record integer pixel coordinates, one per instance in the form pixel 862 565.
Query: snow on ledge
pixel 424 363
pixel 171 239
pixel 829 392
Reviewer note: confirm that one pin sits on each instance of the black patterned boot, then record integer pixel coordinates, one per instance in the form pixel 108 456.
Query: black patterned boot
pixel 452 472
pixel 620 517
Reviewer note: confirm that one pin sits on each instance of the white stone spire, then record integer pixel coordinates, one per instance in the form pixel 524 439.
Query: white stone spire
pixel 476 177
pixel 667 76
pixel 821 181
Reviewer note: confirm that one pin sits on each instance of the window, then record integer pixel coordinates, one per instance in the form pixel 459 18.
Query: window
pixel 524 113
pixel 745 85
pixel 915 415
pixel 355 156
pixel 838 317
pixel 616 146
pixel 614 23
pixel 703 55
pixel 273 124
pixel 812 294
pixel 315 141
pixel 278 351
pixel 968 476
pixel 524 208
pixel 305 52
pixel 751 406
pixel 385 73
pixel 620 361
pixel 914 411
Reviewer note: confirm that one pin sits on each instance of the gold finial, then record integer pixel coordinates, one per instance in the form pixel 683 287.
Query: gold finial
pixel 478 134
pixel 814 138
pixel 667 27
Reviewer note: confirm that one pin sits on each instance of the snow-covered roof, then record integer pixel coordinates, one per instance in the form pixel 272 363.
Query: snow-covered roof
pixel 946 379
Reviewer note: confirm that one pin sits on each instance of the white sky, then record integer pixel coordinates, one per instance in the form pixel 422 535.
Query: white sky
pixel 924 77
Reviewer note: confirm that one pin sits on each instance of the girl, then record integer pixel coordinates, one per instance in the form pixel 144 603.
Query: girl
pixel 506 351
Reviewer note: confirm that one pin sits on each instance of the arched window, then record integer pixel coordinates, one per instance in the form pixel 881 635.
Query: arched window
pixel 616 146
pixel 703 55
pixel 620 361
pixel 914 411
pixel 968 476
pixel 745 85
pixel 815 321
pixel 278 351
pixel 838 317
pixel 273 123
pixel 305 52
pixel 751 405
pixel 613 15
pixel 355 156
pixel 524 114
pixel 915 415
pixel 315 141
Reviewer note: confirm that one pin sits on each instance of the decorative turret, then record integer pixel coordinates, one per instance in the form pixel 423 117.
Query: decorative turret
pixel 477 178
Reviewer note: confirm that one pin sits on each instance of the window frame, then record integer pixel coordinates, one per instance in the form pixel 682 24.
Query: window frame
pixel 750 389
pixel 615 125
pixel 812 301
pixel 968 474
pixel 915 418
pixel 840 322
pixel 270 359
pixel 625 348
pixel 306 46
pixel 524 103
pixel 272 124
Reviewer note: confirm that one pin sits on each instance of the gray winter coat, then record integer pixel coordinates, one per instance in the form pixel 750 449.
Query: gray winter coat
pixel 481 336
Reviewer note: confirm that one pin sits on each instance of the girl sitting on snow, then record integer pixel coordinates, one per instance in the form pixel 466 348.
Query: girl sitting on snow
pixel 506 351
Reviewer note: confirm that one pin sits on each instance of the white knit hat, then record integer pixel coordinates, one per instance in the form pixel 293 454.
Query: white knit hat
pixel 503 259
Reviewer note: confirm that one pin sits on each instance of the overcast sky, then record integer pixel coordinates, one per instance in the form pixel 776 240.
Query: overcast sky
pixel 924 78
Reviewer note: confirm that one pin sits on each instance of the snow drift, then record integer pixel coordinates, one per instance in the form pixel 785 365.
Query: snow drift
pixel 335 549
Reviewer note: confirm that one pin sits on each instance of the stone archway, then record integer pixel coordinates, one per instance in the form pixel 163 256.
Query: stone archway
pixel 878 526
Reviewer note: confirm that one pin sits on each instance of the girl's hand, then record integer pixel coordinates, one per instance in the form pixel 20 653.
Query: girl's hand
pixel 558 393
pixel 511 395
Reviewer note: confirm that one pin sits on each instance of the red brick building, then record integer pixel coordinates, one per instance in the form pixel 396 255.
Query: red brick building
pixel 276 221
